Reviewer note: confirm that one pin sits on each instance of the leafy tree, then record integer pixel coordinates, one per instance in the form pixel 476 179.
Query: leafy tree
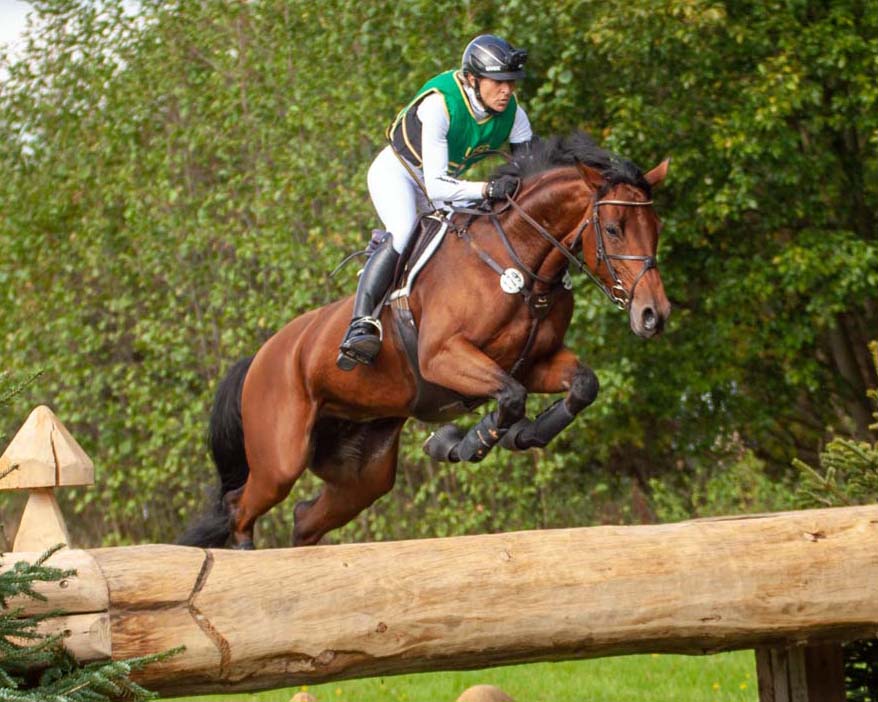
pixel 179 177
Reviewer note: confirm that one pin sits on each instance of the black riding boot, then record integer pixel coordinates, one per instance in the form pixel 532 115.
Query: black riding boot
pixel 363 338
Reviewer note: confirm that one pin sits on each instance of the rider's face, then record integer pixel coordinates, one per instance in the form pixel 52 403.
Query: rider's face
pixel 496 94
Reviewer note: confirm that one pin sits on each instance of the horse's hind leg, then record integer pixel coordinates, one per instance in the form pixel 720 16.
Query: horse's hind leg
pixel 357 463
pixel 278 442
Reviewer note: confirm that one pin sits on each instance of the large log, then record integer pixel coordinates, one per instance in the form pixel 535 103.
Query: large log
pixel 255 620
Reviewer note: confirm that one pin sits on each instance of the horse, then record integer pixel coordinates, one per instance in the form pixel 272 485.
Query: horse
pixel 490 310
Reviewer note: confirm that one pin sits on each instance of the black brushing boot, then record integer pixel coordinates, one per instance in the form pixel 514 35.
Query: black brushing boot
pixel 362 341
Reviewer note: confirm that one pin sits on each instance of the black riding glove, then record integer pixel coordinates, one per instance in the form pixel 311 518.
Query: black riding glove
pixel 501 186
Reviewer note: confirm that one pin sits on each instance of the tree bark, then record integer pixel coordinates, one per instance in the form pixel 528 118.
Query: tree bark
pixel 854 391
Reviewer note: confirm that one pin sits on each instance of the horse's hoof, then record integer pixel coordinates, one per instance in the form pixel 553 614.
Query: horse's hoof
pixel 441 443
pixel 245 545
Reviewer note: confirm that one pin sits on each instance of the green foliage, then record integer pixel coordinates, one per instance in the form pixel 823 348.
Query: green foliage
pixel 179 177
pixel 848 472
pixel 848 475
pixel 10 387
pixel 21 646
pixel 36 668
pixel 739 487
pixel 861 670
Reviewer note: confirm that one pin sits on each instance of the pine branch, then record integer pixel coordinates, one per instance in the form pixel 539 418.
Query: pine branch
pixel 35 667
pixel 9 389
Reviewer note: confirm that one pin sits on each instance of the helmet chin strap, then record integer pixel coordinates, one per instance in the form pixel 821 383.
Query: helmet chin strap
pixel 488 109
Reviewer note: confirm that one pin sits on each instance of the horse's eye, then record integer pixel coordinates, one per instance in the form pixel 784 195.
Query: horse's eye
pixel 614 230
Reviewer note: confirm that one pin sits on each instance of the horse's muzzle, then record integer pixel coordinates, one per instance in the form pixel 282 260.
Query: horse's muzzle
pixel 648 318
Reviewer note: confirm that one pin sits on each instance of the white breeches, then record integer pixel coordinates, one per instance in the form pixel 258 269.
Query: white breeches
pixel 398 199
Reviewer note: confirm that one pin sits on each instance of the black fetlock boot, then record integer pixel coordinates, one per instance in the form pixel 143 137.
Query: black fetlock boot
pixel 362 341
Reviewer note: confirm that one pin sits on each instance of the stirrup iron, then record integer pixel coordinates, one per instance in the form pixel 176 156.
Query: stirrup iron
pixel 349 356
pixel 374 322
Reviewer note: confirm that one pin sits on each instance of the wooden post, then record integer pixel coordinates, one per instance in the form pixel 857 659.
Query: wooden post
pixel 42 456
pixel 812 673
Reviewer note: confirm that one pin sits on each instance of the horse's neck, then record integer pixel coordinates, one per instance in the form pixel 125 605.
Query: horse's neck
pixel 560 213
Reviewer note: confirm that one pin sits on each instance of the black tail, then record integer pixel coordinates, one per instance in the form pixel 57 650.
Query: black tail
pixel 226 438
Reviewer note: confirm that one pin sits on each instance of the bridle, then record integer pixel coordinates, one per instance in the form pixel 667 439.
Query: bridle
pixel 618 294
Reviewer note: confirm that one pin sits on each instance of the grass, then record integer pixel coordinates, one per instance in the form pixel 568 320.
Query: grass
pixel 728 677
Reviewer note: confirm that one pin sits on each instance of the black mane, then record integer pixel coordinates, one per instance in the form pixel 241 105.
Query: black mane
pixel 579 147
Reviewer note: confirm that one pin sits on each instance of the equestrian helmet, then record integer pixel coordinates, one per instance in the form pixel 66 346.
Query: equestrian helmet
pixel 489 56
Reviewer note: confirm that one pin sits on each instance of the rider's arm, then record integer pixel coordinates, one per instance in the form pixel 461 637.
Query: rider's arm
pixel 434 152
pixel 521 133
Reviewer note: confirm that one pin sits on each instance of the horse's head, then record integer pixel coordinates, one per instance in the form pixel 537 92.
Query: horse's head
pixel 619 247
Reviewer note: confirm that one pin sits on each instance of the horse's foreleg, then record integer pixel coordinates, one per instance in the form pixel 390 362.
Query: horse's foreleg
pixel 561 371
pixel 463 368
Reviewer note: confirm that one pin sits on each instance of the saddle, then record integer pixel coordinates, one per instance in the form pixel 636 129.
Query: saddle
pixel 432 403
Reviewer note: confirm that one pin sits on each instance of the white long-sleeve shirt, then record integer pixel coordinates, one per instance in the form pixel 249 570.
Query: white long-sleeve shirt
pixel 435 123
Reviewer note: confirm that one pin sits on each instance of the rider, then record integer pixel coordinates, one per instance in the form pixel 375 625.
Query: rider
pixel 455 117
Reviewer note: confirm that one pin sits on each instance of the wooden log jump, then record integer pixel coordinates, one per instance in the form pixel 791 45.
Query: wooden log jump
pixel 258 620
pixel 265 619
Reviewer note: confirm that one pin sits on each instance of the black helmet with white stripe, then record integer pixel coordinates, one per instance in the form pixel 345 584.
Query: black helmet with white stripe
pixel 489 56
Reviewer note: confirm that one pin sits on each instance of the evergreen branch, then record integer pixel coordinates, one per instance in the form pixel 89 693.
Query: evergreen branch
pixel 18 580
pixel 9 390
pixel 24 651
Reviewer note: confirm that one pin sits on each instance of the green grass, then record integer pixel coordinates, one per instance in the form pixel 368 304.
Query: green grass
pixel 728 677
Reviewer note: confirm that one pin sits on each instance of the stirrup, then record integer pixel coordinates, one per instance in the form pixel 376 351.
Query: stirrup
pixel 364 353
pixel 373 322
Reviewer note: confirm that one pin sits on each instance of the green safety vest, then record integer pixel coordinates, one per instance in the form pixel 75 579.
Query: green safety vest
pixel 468 137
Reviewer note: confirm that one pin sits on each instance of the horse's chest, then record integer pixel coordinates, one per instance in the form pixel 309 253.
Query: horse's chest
pixel 529 336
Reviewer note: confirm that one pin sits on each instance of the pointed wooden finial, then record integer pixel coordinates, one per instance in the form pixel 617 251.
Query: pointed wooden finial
pixel 44 454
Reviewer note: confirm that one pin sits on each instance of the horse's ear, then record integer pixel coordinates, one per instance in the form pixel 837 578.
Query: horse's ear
pixel 657 174
pixel 592 176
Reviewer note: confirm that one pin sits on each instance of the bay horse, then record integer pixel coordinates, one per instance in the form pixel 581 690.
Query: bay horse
pixel 491 308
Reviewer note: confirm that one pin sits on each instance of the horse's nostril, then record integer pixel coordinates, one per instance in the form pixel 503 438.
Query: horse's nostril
pixel 649 319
